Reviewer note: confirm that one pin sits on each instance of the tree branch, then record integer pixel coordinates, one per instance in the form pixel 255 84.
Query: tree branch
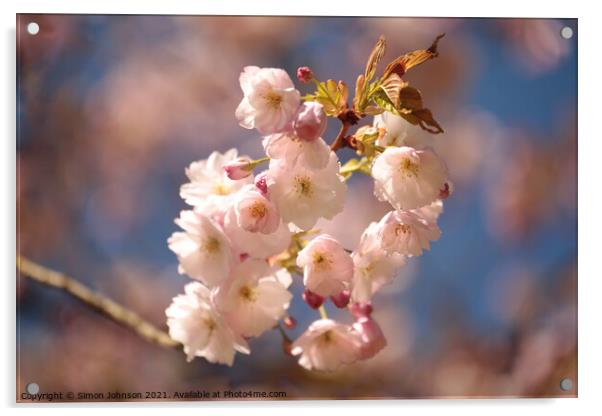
pixel 101 303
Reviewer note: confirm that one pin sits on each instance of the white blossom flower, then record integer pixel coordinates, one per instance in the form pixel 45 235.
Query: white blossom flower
pixel 304 195
pixel 209 187
pixel 292 150
pixel 430 212
pixel 254 298
pixel 254 212
pixel 407 232
pixel 373 339
pixel 203 249
pixel 373 266
pixel 395 132
pixel 408 178
pixel 256 245
pixel 270 99
pixel 193 321
pixel 327 267
pixel 396 129
pixel 327 344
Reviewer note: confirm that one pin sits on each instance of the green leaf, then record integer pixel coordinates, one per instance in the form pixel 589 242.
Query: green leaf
pixel 355 165
pixel 333 96
pixel 381 99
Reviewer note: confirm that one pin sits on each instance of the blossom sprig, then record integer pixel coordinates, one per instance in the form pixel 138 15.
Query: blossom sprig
pixel 247 235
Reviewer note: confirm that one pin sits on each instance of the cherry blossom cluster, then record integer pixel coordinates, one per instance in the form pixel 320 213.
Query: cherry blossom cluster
pixel 246 234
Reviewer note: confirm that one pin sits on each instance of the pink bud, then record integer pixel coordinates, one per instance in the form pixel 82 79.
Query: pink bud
pixel 304 74
pixel 361 310
pixel 342 299
pixel 445 192
pixel 239 168
pixel 261 182
pixel 290 322
pixel 371 335
pixel 310 121
pixel 313 299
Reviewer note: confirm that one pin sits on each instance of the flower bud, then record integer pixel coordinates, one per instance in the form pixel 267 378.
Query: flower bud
pixel 313 299
pixel 361 310
pixel 261 182
pixel 341 300
pixel 304 74
pixel 448 189
pixel 289 322
pixel 310 121
pixel 239 168
pixel 371 335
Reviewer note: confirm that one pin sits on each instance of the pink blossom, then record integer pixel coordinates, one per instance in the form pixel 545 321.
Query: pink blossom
pixel 254 297
pixel 373 266
pixel 327 344
pixel 270 99
pixel 254 212
pixel 289 148
pixel 371 335
pixel 310 121
pixel 304 195
pixel 209 187
pixel 327 267
pixel 203 249
pixel 408 178
pixel 407 232
pixel 257 245
pixel 193 320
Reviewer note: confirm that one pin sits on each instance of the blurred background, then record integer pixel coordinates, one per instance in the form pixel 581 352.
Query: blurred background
pixel 111 109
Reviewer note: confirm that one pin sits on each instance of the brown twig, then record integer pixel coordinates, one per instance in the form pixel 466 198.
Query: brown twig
pixel 339 142
pixel 101 303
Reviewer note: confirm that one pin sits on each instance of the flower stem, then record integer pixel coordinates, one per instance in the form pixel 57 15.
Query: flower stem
pixel 339 142
pixel 254 163
pixel 104 305
pixel 323 313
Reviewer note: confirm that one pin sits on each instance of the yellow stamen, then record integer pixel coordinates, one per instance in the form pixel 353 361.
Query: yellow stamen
pixel 402 228
pixel 258 210
pixel 211 245
pixel 220 189
pixel 247 293
pixel 408 167
pixel 303 185
pixel 321 261
pixel 273 99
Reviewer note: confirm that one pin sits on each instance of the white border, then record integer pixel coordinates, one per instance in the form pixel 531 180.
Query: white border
pixel 590 287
